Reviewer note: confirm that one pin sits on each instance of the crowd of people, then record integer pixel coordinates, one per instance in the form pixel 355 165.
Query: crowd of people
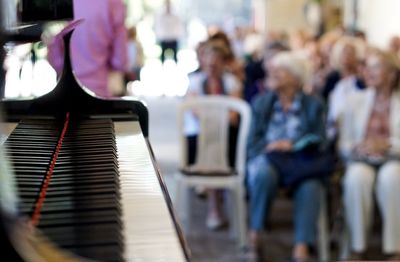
pixel 333 94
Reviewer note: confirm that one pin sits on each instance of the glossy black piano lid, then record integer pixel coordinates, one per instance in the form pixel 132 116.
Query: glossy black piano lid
pixel 69 96
pixel 45 10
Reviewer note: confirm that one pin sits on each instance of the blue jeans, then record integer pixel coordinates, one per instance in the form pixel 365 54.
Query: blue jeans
pixel 263 184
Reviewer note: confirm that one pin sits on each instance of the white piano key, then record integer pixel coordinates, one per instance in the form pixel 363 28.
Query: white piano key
pixel 149 232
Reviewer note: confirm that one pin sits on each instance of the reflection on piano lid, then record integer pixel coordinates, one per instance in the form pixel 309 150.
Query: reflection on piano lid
pixel 86 175
pixel 68 96
pixel 45 10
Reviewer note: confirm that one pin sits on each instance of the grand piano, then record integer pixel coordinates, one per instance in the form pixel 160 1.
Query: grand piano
pixel 86 176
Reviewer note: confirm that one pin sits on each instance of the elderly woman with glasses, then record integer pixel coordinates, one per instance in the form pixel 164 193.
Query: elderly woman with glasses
pixel 283 119
pixel 370 144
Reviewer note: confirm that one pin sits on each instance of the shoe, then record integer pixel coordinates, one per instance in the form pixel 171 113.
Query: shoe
pixel 252 254
pixel 300 260
pixel 356 256
pixel 215 223
pixel 249 254
pixel 393 257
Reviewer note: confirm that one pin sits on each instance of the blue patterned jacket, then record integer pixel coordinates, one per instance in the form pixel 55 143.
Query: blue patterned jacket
pixel 313 121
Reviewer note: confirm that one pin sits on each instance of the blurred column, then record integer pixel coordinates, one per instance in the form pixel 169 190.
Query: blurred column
pixel 351 8
pixel 8 19
pixel 259 9
pixel 285 15
pixel 9 13
pixel 2 28
pixel 8 195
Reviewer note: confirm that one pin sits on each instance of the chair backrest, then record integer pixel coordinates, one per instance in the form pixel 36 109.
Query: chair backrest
pixel 212 114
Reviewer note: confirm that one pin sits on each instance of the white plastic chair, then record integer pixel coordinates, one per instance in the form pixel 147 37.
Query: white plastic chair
pixel 211 169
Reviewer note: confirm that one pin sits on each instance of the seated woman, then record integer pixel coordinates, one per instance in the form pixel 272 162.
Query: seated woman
pixel 282 120
pixel 370 143
pixel 212 79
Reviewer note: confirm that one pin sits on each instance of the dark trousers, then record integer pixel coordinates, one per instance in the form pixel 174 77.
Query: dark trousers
pixel 172 45
pixel 232 141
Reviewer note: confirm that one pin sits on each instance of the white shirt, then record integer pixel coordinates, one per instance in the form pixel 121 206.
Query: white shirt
pixel 196 81
pixel 353 124
pixel 168 27
pixel 339 96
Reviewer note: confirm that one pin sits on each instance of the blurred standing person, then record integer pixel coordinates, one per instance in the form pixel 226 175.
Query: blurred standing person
pixel 168 29
pixel 135 56
pixel 98 44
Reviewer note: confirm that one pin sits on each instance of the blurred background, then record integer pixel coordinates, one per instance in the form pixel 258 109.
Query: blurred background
pixel 248 24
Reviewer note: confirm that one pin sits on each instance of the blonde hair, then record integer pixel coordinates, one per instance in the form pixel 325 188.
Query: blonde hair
pixel 390 59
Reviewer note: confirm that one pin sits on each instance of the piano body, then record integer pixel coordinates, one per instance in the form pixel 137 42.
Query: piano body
pixel 86 174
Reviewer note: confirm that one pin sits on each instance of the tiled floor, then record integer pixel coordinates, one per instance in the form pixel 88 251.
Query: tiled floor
pixel 219 246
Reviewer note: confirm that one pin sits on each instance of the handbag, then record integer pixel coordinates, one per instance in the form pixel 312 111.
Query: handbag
pixel 296 166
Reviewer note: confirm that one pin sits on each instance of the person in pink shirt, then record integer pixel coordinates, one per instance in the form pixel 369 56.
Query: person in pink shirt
pixel 98 44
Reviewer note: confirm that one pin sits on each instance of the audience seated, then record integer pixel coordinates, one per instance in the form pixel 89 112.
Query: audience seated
pixel 369 142
pixel 282 119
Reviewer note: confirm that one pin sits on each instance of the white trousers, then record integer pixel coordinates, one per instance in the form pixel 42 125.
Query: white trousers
pixel 360 181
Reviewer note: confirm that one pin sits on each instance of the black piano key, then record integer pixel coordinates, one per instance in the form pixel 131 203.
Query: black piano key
pixel 31 181
pixel 88 234
pixel 79 218
pixel 109 253
pixel 74 203
pixel 81 211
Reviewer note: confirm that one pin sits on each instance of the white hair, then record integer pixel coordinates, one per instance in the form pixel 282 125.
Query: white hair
pixel 294 62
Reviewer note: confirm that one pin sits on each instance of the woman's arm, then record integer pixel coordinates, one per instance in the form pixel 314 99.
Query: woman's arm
pixel 234 90
pixel 256 139
pixel 316 135
pixel 346 140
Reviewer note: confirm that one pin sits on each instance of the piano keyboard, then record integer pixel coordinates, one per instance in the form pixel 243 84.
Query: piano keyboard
pixel 108 204
pixel 150 234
